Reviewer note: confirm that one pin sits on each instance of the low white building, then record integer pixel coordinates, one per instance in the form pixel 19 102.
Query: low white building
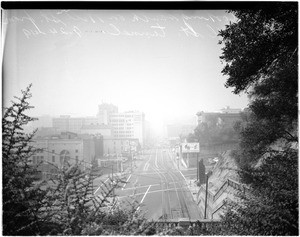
pixel 55 151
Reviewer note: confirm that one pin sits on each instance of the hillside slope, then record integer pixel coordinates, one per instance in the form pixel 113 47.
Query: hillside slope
pixel 225 168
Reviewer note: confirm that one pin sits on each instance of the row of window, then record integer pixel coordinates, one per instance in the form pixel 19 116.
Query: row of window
pixel 53 151
pixel 124 136
pixel 117 115
pixel 120 126
pixel 76 151
pixel 38 159
pixel 123 131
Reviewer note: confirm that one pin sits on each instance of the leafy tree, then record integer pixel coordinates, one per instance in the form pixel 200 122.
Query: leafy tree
pixel 63 206
pixel 211 133
pixel 263 39
pixel 22 198
pixel 261 55
pixel 271 206
pixel 73 209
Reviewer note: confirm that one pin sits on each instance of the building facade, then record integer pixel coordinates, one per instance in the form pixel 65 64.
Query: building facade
pixel 56 151
pixel 130 124
pixel 61 123
pixel 104 112
pixel 104 130
pixel 227 116
pixel 119 146
pixel 82 125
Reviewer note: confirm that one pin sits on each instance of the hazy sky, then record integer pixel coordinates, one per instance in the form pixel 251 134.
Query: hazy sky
pixel 165 63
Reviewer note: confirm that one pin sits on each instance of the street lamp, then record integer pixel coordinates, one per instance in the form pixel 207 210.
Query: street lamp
pixel 206 192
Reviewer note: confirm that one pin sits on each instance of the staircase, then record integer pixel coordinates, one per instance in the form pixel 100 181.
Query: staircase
pixel 217 200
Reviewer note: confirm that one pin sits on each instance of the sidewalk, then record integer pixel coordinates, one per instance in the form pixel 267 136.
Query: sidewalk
pixel 191 183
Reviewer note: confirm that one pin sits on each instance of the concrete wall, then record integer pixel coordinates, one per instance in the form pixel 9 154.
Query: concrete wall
pixel 75 150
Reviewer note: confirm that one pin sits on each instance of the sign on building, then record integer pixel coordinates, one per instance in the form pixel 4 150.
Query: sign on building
pixel 190 147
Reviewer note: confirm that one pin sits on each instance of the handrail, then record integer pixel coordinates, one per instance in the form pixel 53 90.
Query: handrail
pixel 214 197
pixel 217 208
pixel 219 193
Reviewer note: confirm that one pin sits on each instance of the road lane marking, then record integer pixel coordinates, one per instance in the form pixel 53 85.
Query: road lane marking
pixel 142 186
pixel 183 176
pixel 146 167
pixel 144 196
pixel 101 186
pixel 146 193
pixel 126 182
pixel 150 192
pixel 156 159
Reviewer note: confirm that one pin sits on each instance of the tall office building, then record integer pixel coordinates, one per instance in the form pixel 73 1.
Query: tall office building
pixel 129 124
pixel 104 112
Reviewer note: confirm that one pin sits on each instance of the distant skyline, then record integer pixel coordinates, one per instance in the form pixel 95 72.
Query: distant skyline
pixel 164 63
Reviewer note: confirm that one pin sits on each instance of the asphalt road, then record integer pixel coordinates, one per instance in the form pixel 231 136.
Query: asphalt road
pixel 160 187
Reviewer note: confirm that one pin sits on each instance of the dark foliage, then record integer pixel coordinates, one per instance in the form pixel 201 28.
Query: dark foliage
pixel 261 55
pixel 211 133
pixel 63 206
pixel 262 38
pixel 22 198
pixel 271 208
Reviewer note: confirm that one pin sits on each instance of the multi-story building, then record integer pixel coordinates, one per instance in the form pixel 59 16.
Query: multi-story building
pixel 230 110
pixel 226 116
pixel 55 151
pixel 46 131
pixel 61 123
pixel 104 130
pixel 115 146
pixel 82 125
pixel 130 124
pixel 104 112
pixel 92 121
pixel 75 124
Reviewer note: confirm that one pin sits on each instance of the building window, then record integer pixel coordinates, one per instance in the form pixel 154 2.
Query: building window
pixel 76 159
pixel 53 151
pixel 76 151
pixel 64 157
pixel 53 158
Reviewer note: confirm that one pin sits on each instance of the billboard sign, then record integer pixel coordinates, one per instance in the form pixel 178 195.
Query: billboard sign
pixel 190 147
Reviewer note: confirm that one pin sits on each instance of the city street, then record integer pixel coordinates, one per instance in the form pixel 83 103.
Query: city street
pixel 160 187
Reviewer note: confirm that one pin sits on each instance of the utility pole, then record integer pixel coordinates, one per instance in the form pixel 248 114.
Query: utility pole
pixel 188 159
pixel 131 155
pixel 206 191
pixel 197 168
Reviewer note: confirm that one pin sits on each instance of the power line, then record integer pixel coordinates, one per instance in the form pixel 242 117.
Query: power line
pixel 51 152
